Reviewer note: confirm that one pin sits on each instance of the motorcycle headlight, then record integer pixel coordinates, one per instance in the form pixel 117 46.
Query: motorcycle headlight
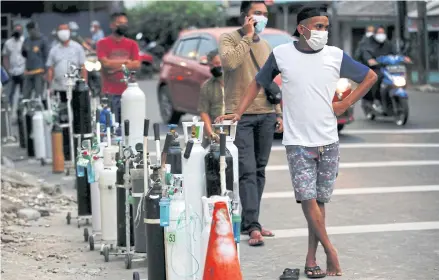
pixel 92 66
pixel 89 66
pixel 399 81
pixel 343 85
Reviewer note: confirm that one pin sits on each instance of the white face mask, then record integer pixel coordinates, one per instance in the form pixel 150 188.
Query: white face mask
pixel 381 37
pixel 368 34
pixel 317 40
pixel 92 30
pixel 261 23
pixel 63 35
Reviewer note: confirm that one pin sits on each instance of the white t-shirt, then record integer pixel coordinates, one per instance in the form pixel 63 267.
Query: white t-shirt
pixel 309 81
pixel 12 49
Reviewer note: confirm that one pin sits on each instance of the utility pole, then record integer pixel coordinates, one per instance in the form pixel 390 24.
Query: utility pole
pixel 423 42
pixel 335 28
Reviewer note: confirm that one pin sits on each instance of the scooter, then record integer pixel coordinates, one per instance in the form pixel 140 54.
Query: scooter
pixel 394 97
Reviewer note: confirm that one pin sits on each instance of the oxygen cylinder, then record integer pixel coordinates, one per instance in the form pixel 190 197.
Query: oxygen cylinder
pixel 38 132
pixel 81 107
pixel 108 199
pixel 173 156
pixel 21 121
pixel 83 196
pixel 212 165
pixel 194 184
pixel 121 200
pixel 98 166
pixel 4 115
pixel 57 149
pixel 48 124
pixel 229 129
pixel 137 181
pixel 133 108
pixel 178 254
pixel 154 232
pixel 29 131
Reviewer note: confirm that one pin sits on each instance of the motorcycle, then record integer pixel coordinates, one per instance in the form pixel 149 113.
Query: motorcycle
pixel 394 97
pixel 150 56
pixel 344 88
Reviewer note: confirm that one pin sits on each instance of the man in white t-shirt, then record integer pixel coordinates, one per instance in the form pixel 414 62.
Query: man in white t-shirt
pixel 310 71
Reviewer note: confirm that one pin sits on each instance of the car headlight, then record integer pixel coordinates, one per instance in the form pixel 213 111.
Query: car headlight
pixel 343 85
pixel 92 66
pixel 399 81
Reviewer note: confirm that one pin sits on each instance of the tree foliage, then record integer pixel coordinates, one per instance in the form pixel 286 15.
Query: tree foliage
pixel 162 21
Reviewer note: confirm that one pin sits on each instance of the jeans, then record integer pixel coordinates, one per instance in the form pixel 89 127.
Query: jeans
pixel 254 137
pixel 33 82
pixel 15 80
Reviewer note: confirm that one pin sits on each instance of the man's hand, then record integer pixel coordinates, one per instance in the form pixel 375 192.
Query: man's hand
pixel 279 125
pixel 407 59
pixel 372 62
pixel 233 117
pixel 340 107
pixel 249 26
pixel 214 137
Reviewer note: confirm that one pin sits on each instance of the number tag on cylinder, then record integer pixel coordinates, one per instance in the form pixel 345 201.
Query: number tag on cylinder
pixel 170 237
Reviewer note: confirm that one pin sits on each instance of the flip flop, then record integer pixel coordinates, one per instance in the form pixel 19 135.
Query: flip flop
pixel 290 274
pixel 313 271
pixel 258 242
pixel 267 233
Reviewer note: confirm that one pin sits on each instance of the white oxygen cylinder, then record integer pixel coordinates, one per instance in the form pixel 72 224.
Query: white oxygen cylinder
pixel 195 185
pixel 48 124
pixel 38 134
pixel 98 166
pixel 133 103
pixel 178 255
pixel 107 190
pixel 208 206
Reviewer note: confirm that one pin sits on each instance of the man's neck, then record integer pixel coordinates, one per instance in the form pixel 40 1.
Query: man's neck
pixel 117 37
pixel 66 43
pixel 303 45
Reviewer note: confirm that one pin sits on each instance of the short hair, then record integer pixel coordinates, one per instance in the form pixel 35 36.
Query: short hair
pixel 246 5
pixel 114 16
pixel 380 27
pixel 211 55
pixel 31 25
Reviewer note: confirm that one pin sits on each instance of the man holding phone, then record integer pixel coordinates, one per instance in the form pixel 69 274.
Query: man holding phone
pixel 242 52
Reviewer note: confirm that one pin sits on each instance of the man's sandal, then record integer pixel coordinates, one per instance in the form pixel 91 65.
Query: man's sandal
pixel 290 274
pixel 314 272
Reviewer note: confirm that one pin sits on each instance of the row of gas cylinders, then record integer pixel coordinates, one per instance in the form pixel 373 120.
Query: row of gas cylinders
pixel 198 172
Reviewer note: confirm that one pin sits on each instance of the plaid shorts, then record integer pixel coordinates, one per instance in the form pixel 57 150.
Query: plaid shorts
pixel 313 171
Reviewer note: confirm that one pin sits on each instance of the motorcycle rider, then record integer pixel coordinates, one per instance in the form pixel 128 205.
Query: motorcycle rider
pixel 369 32
pixel 376 46
pixel 74 35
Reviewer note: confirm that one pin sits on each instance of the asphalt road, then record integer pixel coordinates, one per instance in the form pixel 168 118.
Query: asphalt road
pixel 384 216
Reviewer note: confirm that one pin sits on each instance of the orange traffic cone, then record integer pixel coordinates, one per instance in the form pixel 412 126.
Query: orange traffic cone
pixel 222 258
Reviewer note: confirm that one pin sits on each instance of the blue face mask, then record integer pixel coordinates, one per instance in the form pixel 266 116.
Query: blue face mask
pixel 261 23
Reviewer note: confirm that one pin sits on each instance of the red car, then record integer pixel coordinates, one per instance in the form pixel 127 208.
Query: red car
pixel 184 69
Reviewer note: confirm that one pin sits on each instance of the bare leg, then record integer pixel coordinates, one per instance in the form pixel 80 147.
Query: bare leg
pixel 313 243
pixel 316 222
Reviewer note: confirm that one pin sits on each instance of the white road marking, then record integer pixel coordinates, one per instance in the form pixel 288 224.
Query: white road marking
pixel 302 232
pixel 391 131
pixel 375 145
pixel 367 164
pixel 356 191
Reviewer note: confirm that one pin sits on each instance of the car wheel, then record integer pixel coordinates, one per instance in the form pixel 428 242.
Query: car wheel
pixel 167 111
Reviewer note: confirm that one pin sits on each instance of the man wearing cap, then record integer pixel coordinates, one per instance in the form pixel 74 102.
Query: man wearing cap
pixel 310 70
pixel 96 32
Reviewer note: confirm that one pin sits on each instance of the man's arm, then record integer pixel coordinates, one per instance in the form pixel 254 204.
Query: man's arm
pixel 262 80
pixel 6 55
pixel 358 73
pixel 204 107
pixel 24 48
pixel 49 65
pixel 81 60
pixel 134 63
pixel 232 56
pixel 107 64
pixel 45 49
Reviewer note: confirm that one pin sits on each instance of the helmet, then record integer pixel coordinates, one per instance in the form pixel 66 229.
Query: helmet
pixel 73 26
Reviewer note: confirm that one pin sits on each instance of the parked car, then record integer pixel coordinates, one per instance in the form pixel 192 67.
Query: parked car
pixel 184 69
